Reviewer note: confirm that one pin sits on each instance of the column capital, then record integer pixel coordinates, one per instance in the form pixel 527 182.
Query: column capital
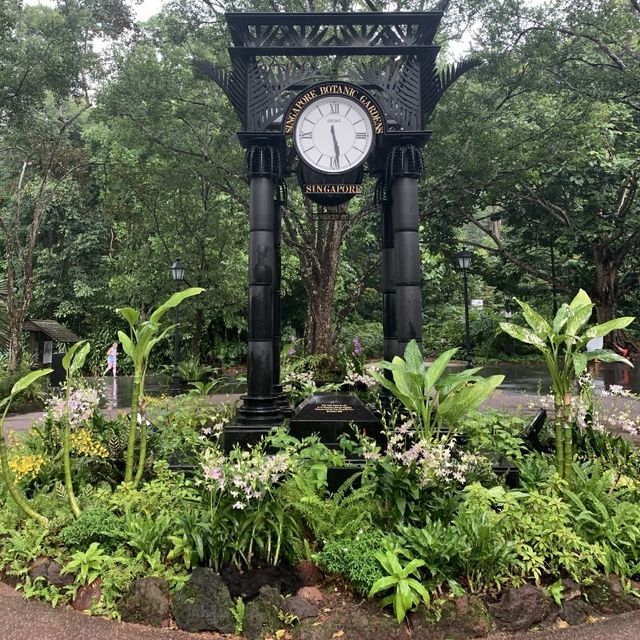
pixel 404 161
pixel 281 196
pixel 382 193
pixel 263 161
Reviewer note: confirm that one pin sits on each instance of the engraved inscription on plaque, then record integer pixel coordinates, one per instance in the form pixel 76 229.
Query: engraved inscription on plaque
pixel 334 408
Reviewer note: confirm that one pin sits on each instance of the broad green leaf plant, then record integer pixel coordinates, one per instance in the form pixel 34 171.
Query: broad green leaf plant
pixel 433 397
pixel 143 336
pixel 562 343
pixel 408 591
pixel 24 383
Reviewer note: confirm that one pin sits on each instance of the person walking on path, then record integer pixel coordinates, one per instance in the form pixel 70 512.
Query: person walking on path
pixel 112 356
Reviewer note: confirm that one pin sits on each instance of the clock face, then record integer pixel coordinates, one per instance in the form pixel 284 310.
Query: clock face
pixel 333 134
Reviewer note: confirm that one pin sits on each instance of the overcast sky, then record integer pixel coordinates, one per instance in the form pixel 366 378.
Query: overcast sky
pixel 143 11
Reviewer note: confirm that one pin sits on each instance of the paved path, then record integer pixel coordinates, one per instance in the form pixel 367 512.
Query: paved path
pixel 32 620
pixel 625 626
pixel 23 422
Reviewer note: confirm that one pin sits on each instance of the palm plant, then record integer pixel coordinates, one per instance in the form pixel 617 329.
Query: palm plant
pixel 143 336
pixel 562 343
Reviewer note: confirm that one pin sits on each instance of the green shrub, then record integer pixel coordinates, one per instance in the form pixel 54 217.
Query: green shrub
pixel 496 432
pixel 354 558
pixel 93 525
pixel 370 335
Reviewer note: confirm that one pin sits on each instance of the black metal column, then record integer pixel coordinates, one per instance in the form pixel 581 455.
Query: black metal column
pixel 280 200
pixel 259 406
pixel 388 275
pixel 404 168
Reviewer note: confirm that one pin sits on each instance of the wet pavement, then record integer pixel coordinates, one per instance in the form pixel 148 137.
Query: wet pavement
pixel 32 620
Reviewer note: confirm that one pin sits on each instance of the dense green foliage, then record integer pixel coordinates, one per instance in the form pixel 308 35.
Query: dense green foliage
pixel 117 160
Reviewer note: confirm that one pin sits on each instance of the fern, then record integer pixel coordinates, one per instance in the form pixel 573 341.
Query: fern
pixel 342 514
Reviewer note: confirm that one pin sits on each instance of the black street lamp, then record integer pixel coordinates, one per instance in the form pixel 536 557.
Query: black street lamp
pixel 177 273
pixel 464 262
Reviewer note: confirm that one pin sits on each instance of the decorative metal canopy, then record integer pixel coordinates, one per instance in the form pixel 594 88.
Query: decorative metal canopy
pixel 400 70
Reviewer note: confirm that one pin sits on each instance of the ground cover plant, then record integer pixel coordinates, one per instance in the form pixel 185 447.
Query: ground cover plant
pixel 427 519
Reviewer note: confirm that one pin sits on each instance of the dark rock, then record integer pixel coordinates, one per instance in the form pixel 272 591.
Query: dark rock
pixel 147 602
pixel 571 589
pixel 246 583
pixel 310 573
pixel 300 608
pixel 464 617
pixel 262 615
pixel 361 623
pixel 522 608
pixel 574 611
pixel 7 578
pixel 204 603
pixel 312 595
pixel 51 572
pixel 87 595
pixel 607 595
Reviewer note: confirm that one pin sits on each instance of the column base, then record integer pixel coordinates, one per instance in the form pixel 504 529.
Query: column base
pixel 259 410
pixel 281 402
pixel 244 436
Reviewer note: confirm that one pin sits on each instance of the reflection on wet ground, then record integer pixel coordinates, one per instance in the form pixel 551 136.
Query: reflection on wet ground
pixel 528 378
pixel 533 378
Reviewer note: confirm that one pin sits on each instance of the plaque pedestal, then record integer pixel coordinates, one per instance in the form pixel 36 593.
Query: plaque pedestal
pixel 331 415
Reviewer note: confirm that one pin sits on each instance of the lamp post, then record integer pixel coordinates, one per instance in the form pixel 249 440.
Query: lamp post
pixel 464 262
pixel 177 273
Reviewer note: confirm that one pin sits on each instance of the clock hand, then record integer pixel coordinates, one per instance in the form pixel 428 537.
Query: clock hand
pixel 335 142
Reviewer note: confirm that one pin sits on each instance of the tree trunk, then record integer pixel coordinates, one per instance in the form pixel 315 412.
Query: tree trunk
pixel 15 346
pixel 320 327
pixel 607 288
pixel 320 284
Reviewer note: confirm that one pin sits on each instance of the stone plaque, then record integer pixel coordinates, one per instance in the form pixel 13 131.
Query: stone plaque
pixel 331 415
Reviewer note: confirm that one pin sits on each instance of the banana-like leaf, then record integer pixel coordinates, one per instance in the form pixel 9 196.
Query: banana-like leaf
pixel 154 341
pixel 604 329
pixel 523 334
pixel 580 361
pixel 561 318
pixel 456 405
pixel 78 360
pixel 130 315
pixel 539 325
pixel 26 381
pixel 71 351
pixel 413 359
pixel 174 301
pixel 606 355
pixel 127 345
pixel 435 371
pixel 453 381
pixel 581 298
pixel 578 317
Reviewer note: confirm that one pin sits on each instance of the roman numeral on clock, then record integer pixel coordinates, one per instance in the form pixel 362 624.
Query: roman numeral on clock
pixel 361 135
pixel 335 108
pixel 306 135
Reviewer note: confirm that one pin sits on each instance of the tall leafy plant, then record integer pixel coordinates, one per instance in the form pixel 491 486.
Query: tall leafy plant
pixel 143 336
pixel 562 343
pixel 432 396
pixel 24 383
pixel 72 363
